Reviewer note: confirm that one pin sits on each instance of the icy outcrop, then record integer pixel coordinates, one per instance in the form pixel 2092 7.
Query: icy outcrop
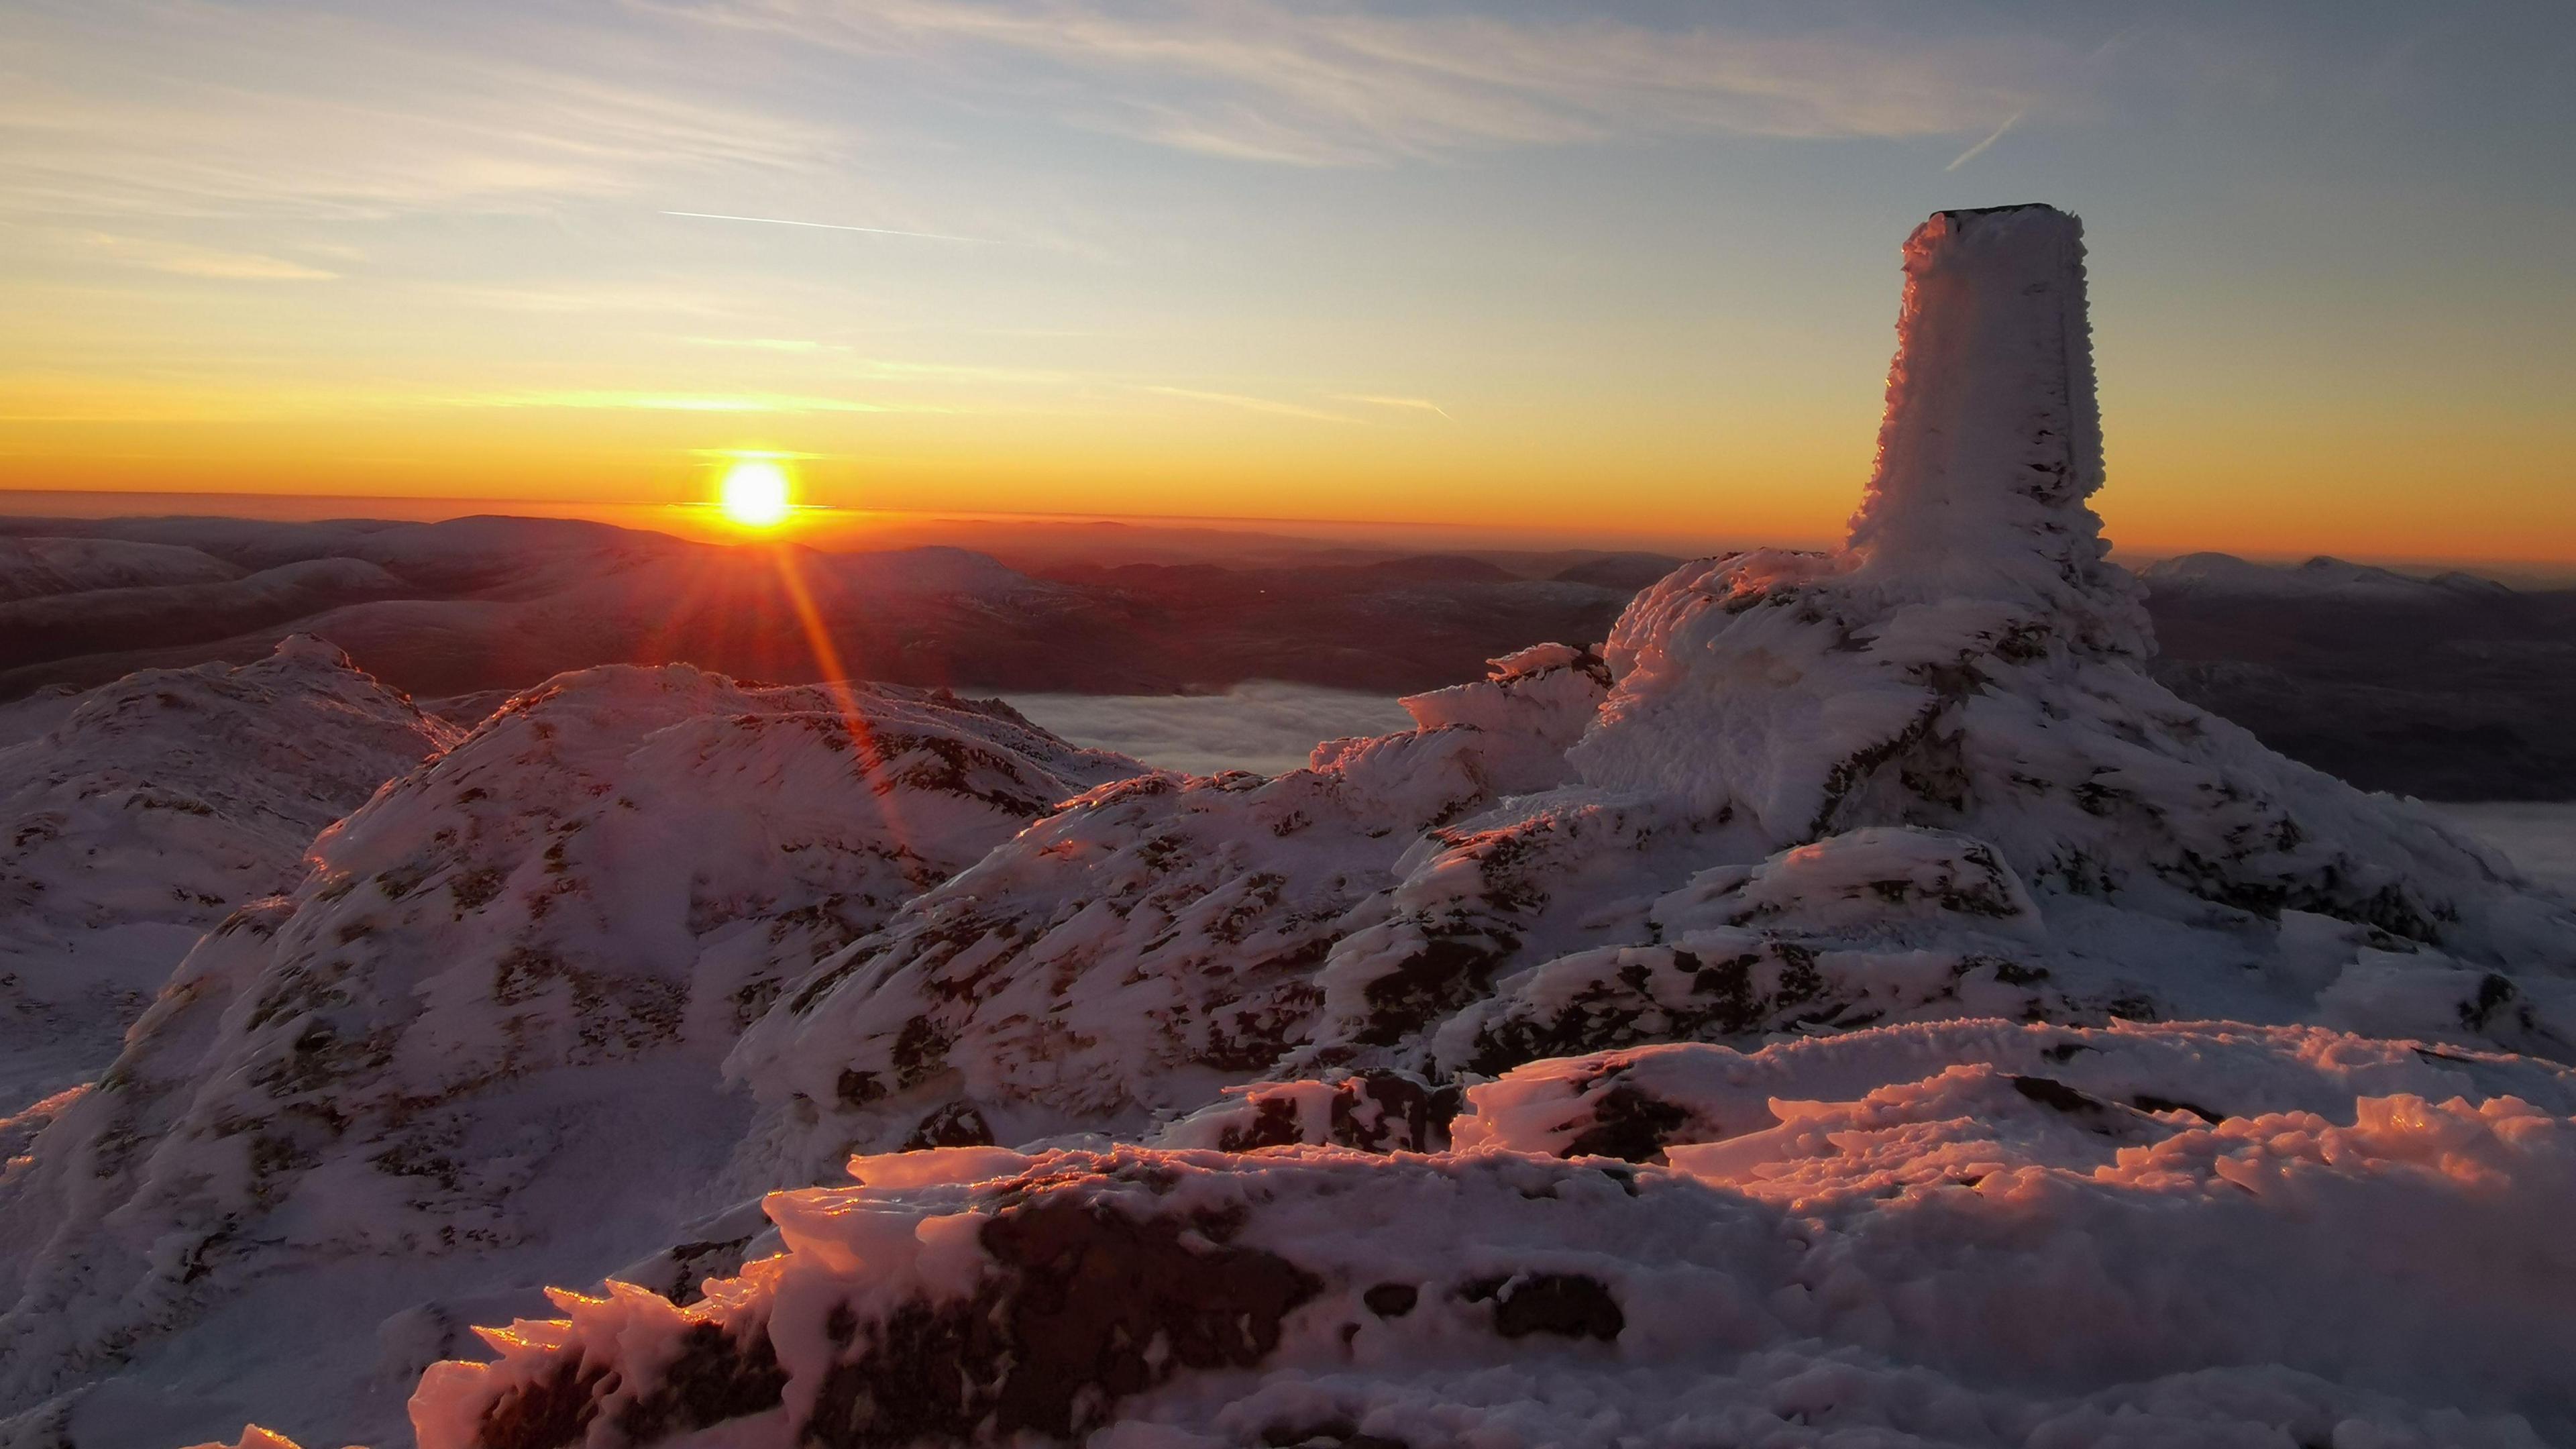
pixel 1933 1236
pixel 477 1045
pixel 148 808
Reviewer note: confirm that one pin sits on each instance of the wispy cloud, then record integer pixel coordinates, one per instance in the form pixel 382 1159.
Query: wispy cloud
pixel 1979 149
pixel 1248 404
pixel 182 259
pixel 673 402
pixel 181 110
pixel 1322 85
pixel 1410 404
pixel 771 344
pixel 836 226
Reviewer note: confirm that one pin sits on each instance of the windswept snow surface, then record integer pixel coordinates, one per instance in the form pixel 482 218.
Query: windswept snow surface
pixel 1855 1005
pixel 135 815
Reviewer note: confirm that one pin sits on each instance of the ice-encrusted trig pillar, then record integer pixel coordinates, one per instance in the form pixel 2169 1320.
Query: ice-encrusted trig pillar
pixel 1993 439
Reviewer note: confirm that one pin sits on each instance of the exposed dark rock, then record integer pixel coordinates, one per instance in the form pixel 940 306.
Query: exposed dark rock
pixel 1088 1307
pixel 1568 1305
pixel 552 1412
pixel 1627 1124
pixel 959 1124
pixel 716 1377
pixel 1391 1300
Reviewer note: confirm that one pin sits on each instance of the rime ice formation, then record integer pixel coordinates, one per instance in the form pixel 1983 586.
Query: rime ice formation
pixel 139 812
pixel 1955 1250
pixel 476 1046
pixel 1854 1006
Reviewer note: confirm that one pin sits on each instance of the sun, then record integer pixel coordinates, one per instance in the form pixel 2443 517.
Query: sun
pixel 755 494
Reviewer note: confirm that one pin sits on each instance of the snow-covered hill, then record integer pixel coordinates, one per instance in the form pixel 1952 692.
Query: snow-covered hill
pixel 474 1049
pixel 2321 577
pixel 32 568
pixel 137 814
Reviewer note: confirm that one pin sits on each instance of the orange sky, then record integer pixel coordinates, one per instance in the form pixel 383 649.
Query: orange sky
pixel 1642 291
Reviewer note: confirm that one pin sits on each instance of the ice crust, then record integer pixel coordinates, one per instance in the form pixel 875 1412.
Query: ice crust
pixel 1853 1006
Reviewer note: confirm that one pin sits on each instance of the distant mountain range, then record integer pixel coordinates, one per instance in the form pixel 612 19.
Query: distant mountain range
pixel 478 604
pixel 2451 687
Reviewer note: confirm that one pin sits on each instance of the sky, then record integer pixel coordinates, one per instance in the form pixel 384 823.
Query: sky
pixel 1616 273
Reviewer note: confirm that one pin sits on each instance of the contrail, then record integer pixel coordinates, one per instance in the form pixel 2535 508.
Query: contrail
pixel 1979 149
pixel 833 226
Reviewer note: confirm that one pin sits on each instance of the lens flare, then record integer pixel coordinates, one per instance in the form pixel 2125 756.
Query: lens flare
pixel 755 494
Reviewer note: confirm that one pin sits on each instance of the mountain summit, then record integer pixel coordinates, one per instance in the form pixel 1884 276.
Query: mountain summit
pixel 1856 1003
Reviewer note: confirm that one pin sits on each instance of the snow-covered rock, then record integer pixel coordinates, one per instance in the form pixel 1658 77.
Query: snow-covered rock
pixel 144 810
pixel 475 1049
pixel 1156 940
pixel 1930 1237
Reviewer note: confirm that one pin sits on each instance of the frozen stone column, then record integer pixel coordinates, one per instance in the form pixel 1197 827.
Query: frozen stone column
pixel 1992 443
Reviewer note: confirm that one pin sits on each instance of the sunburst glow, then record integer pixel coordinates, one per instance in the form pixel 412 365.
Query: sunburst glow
pixel 755 494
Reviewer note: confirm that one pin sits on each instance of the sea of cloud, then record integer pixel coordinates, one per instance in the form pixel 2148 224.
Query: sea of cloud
pixel 1262 725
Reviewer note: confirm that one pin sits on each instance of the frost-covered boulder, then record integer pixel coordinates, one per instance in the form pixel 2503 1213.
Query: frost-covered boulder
pixel 144 810
pixel 476 1048
pixel 1980 1235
